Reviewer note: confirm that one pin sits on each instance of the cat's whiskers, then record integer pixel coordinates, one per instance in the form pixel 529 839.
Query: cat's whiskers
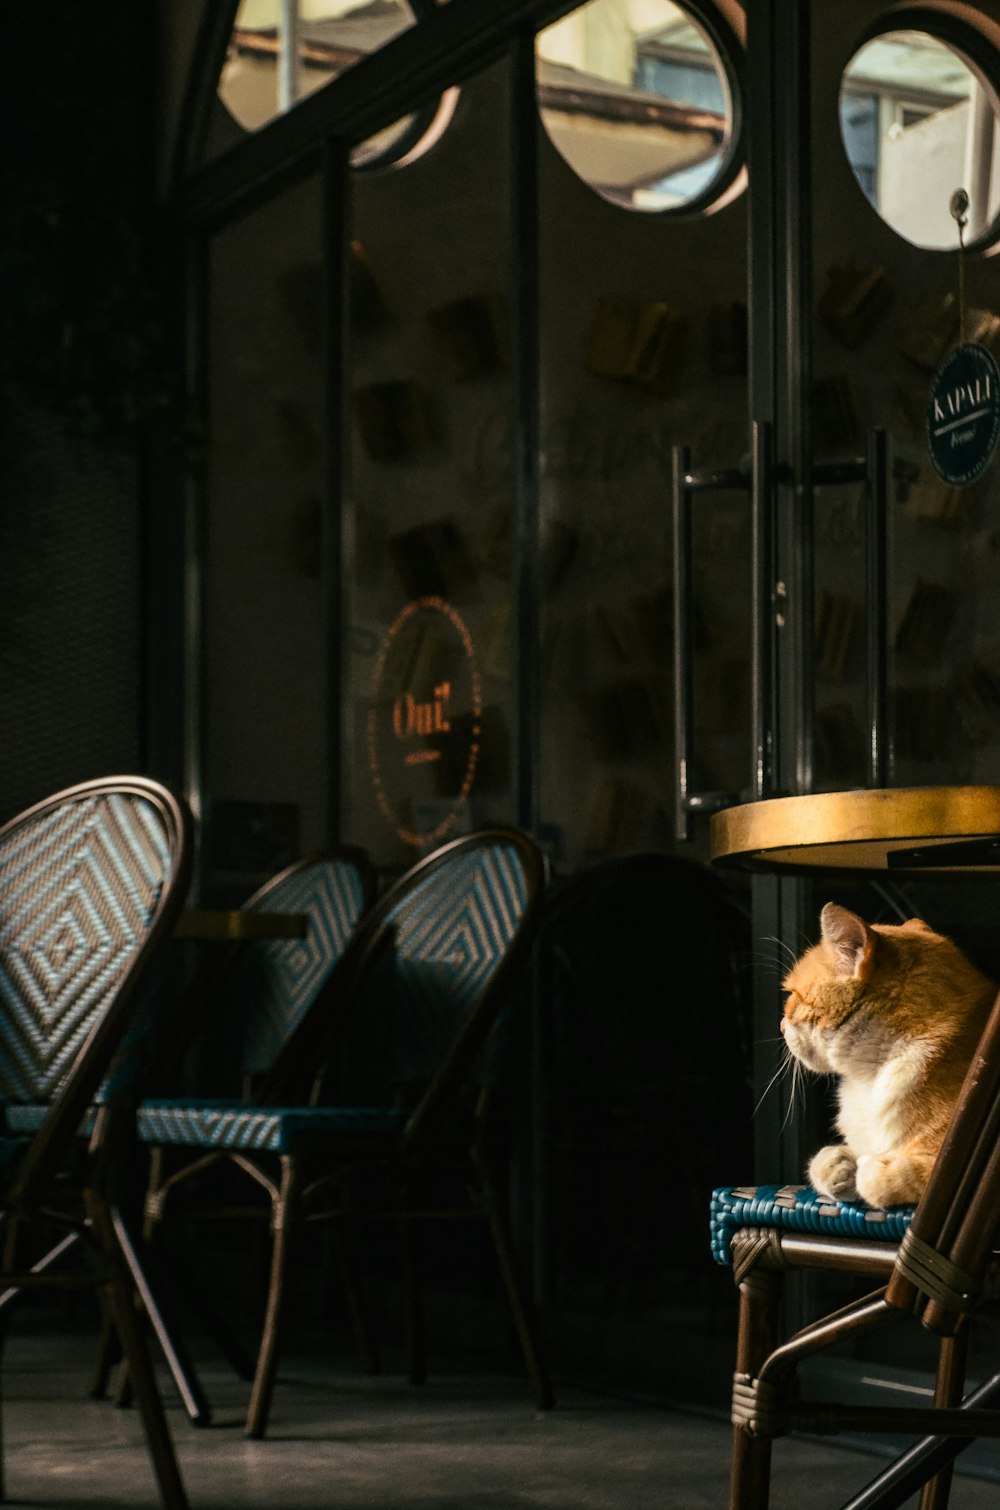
pixel 781 1070
pixel 797 1085
pixel 796 1089
pixel 789 953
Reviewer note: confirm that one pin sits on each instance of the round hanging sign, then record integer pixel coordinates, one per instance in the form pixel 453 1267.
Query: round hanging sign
pixel 963 414
pixel 424 721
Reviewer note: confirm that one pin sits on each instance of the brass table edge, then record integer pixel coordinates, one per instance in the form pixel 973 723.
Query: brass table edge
pixel 801 828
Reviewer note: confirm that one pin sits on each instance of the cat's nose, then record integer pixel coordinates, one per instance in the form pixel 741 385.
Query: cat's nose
pixel 783 1024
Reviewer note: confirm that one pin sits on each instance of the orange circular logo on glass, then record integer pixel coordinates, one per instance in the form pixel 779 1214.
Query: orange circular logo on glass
pixel 425 721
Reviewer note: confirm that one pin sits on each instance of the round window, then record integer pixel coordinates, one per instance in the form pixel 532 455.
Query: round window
pixel 635 96
pixel 918 120
pixel 281 53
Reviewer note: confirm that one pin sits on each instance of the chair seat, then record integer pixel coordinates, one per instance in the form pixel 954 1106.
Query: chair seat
pixel 798 1208
pixel 27 1117
pixel 268 1129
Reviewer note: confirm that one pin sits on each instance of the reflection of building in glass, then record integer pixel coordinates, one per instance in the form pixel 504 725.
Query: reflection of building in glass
pixel 281 51
pixel 917 124
pixel 634 98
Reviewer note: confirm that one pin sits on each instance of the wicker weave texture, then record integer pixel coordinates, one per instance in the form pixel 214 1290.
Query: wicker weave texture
pixel 79 886
pixel 798 1208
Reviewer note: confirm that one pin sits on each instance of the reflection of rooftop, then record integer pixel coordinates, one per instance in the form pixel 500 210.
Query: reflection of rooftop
pixel 336 43
pixel 571 91
pixel 620 137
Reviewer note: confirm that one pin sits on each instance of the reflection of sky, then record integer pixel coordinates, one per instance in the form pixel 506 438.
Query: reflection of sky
pixel 683 84
pixel 859 129
pixel 682 186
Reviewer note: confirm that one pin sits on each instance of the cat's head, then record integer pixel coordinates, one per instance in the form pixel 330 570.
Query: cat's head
pixel 864 988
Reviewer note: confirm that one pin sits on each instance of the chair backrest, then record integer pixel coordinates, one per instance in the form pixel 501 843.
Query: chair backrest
pixel 440 945
pixel 91 880
pixel 948 1244
pixel 263 996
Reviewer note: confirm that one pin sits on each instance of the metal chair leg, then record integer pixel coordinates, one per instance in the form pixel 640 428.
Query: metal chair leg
pixel 108 1227
pixel 522 1310
pixel 750 1472
pixel 109 1352
pixel 351 1287
pixel 283 1217
pixel 182 1370
pixel 952 1357
pixel 413 1303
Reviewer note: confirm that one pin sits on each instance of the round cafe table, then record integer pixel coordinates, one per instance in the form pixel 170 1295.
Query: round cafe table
pixel 930 830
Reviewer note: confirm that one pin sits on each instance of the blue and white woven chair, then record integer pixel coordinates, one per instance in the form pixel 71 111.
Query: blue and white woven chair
pixel 935 1263
pixel 428 971
pixel 259 1014
pixel 91 880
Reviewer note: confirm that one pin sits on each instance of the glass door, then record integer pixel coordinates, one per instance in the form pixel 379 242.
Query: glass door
pixel 644 682
pixel 883 674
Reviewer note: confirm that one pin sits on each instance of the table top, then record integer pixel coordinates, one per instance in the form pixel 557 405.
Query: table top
pixel 231 924
pixel 927 830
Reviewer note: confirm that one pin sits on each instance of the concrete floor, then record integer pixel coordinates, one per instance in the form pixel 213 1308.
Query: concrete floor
pixel 346 1441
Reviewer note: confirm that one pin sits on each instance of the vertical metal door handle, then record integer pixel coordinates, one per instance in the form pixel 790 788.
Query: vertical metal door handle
pixel 877 552
pixel 758 481
pixel 762 630
pixel 683 639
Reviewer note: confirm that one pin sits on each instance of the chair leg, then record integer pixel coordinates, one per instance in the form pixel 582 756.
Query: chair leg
pixel 107 1227
pixel 3 1455
pixel 109 1353
pixel 949 1384
pixel 228 1344
pixel 522 1309
pixel 141 1265
pixel 413 1303
pixel 283 1216
pixel 350 1281
pixel 750 1473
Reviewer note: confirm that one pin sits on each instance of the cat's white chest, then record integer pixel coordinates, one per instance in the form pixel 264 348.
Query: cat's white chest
pixel 875 1112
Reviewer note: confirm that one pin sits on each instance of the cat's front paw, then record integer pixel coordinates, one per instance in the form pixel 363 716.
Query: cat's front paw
pixel 834 1172
pixel 889 1180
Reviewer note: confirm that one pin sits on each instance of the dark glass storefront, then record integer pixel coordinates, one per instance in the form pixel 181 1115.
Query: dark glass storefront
pixel 438 566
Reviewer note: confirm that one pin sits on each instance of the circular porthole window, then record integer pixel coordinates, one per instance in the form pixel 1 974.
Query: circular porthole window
pixel 280 53
pixel 918 119
pixel 638 99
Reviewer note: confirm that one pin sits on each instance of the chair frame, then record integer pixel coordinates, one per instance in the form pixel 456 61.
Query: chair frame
pixel 100 1228
pixel 153 1279
pixel 418 1131
pixel 942 1273
pixel 305 1179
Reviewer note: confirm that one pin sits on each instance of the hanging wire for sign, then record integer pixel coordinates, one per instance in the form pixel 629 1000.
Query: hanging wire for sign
pixel 959 208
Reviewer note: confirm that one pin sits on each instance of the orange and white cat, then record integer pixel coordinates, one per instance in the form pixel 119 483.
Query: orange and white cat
pixel 895 1012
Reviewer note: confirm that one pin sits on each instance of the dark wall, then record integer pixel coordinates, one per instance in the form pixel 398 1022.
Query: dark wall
pixel 82 372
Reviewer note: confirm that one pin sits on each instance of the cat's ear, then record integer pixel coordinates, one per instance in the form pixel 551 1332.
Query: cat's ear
pixel 849 942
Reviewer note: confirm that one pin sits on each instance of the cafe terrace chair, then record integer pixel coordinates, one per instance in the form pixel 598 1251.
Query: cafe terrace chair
pixel 935 1266
pixel 256 1011
pixel 259 1010
pixel 91 880
pixel 429 970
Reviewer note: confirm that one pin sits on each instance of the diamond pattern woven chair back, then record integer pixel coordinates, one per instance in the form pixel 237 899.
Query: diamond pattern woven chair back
pixel 439 944
pixel 81 882
pixel 91 881
pixel 272 985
